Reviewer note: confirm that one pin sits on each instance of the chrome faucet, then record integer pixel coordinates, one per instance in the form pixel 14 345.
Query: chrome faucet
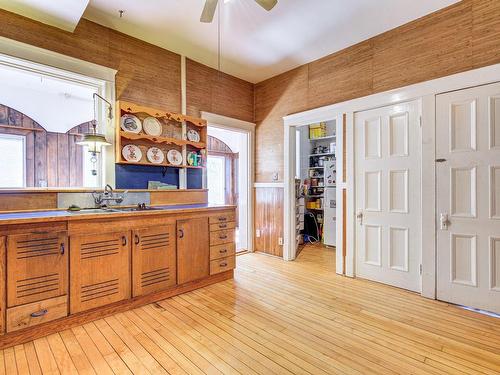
pixel 108 195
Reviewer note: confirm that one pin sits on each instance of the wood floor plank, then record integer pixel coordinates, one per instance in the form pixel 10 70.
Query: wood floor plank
pixel 21 360
pixel 275 317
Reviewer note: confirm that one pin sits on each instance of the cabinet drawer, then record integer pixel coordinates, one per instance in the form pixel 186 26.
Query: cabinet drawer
pixel 223 217
pixel 36 313
pixel 221 236
pixel 221 265
pixel 222 251
pixel 222 225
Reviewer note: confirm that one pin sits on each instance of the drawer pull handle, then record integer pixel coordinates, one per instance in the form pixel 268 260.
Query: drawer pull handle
pixel 181 233
pixel 223 251
pixel 39 314
pixel 222 237
pixel 223 264
pixel 222 225
pixel 222 218
pixel 62 249
pixel 124 240
pixel 137 239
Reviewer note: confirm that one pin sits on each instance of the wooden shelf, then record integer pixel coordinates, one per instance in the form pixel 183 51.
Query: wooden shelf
pixel 159 165
pixel 160 140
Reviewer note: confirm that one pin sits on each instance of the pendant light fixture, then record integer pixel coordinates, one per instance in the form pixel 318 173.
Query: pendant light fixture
pixel 93 140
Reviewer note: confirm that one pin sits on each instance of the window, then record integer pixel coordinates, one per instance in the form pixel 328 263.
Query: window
pixel 12 161
pixel 216 179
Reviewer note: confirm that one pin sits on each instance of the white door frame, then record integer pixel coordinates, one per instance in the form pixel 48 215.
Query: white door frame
pixel 426 91
pixel 240 126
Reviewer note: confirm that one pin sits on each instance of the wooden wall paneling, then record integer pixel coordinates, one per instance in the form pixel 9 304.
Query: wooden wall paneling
pixel 212 91
pixel 147 74
pixel 434 46
pixel 485 32
pixel 3 282
pixel 269 220
pixel 341 76
pixel 28 201
pixel 283 94
pixel 63 156
pixel 52 149
pixel 40 155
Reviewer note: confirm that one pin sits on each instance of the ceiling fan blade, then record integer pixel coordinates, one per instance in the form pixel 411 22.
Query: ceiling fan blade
pixel 267 4
pixel 208 11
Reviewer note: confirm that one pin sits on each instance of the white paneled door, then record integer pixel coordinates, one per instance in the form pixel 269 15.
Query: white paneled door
pixel 387 163
pixel 468 197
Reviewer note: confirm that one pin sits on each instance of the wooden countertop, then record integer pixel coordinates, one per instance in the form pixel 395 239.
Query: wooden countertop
pixel 51 216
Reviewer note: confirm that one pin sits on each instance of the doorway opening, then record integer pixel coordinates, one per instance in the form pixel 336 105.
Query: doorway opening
pixel 227 177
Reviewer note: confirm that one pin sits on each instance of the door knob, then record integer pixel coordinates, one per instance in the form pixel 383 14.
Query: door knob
pixel 444 221
pixel 359 216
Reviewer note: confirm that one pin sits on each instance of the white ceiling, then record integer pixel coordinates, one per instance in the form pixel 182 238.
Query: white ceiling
pixel 255 44
pixel 64 14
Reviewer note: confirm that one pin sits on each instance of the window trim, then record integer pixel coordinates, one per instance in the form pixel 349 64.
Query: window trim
pixel 23 141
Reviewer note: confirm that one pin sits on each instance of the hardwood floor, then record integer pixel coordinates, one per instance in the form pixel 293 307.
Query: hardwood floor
pixel 275 317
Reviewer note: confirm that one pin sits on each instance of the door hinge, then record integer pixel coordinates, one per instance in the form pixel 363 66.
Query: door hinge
pixel 420 269
pixel 420 120
pixel 441 160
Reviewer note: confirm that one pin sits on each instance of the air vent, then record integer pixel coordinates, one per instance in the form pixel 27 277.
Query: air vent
pixel 155 241
pixel 99 290
pixel 155 277
pixel 100 248
pixel 37 248
pixel 37 285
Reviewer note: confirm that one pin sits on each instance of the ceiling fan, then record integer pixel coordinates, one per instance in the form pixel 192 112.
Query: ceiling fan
pixel 210 5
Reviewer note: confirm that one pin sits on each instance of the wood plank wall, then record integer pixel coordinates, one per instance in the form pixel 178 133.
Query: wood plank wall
pixel 147 74
pixel 461 37
pixel 269 220
pixel 211 91
pixel 51 157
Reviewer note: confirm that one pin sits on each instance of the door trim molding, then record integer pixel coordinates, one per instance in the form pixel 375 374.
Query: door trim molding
pixel 426 91
pixel 228 123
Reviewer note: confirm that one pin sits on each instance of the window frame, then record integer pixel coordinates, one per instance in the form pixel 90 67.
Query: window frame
pixel 23 141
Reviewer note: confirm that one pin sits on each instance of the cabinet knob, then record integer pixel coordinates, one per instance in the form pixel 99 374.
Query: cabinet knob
pixel 137 239
pixel 222 218
pixel 181 233
pixel 223 251
pixel 223 264
pixel 124 240
pixel 223 225
pixel 62 248
pixel 222 237
pixel 40 313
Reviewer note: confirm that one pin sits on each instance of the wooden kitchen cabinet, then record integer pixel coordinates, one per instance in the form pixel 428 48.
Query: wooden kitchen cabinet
pixel 100 270
pixel 193 250
pixel 153 259
pixel 37 266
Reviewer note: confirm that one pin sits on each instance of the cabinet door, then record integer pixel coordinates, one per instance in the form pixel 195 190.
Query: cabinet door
pixel 37 267
pixel 100 270
pixel 153 259
pixel 193 249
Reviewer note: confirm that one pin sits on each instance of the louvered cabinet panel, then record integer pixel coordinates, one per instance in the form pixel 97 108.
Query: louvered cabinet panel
pixel 100 270
pixel 153 259
pixel 37 267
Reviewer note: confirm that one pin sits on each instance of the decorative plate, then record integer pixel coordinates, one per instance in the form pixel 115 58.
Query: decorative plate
pixel 193 135
pixel 192 158
pixel 155 155
pixel 174 157
pixel 132 153
pixel 152 126
pixel 130 123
